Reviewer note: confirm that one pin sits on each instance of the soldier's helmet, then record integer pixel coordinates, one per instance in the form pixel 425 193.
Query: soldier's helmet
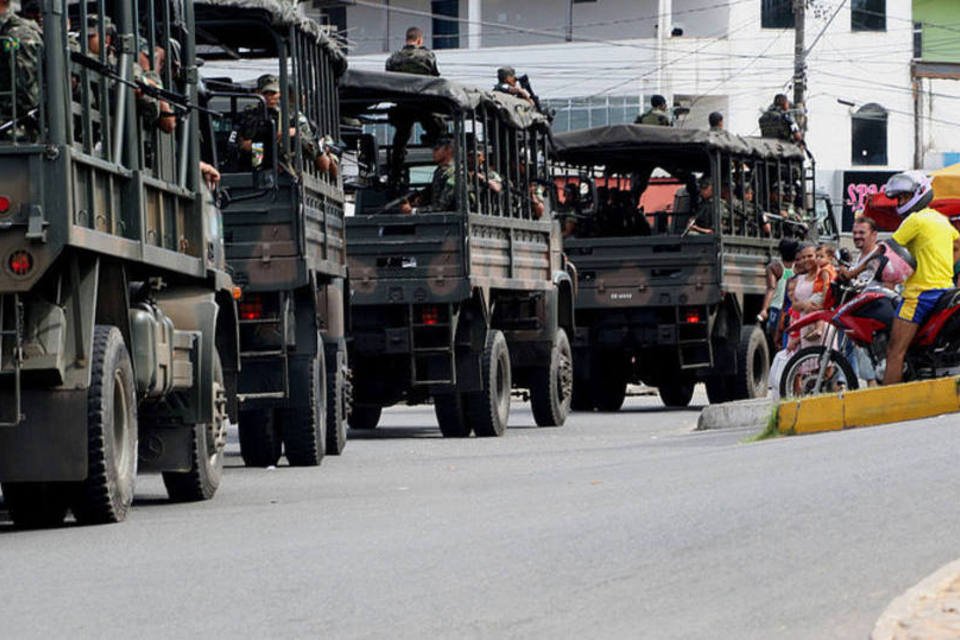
pixel 505 72
pixel 268 83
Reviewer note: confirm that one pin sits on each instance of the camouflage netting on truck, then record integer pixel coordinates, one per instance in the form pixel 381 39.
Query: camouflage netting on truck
pixel 276 13
pixel 619 144
pixel 363 89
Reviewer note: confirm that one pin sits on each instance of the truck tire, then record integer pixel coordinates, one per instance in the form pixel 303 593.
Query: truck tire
pixel 304 425
pixel 609 383
pixel 582 395
pixel 551 387
pixel 753 364
pixel 676 392
pixel 260 441
pixel 209 442
pixel 488 410
pixel 451 414
pixel 36 505
pixel 106 494
pixel 336 397
pixel 718 389
pixel 364 417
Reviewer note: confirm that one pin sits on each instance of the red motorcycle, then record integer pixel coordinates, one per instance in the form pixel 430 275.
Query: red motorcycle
pixel 864 316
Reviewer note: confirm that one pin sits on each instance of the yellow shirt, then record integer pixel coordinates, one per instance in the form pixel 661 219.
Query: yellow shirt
pixel 929 237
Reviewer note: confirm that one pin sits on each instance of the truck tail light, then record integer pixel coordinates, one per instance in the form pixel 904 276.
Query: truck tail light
pixel 430 316
pixel 251 307
pixel 4 205
pixel 20 263
pixel 692 316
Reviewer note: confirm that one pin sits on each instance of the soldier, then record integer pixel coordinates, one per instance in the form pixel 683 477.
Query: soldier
pixel 22 40
pixel 657 113
pixel 716 121
pixel 413 57
pixel 702 221
pixel 441 194
pixel 258 132
pixel 507 83
pixel 778 121
pixel 417 59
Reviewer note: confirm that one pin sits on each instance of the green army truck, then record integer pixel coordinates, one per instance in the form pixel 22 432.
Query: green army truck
pixel 284 225
pixel 117 321
pixel 463 299
pixel 671 231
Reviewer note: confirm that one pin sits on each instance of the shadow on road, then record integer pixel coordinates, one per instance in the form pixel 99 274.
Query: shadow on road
pixel 392 433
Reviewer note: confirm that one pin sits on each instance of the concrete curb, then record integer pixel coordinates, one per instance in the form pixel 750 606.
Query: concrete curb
pixel 923 611
pixel 869 407
pixel 742 413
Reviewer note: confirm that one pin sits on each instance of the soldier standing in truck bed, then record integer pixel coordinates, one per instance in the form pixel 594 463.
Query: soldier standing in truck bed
pixel 413 57
pixel 778 121
pixel 22 40
pixel 657 113
pixel 416 59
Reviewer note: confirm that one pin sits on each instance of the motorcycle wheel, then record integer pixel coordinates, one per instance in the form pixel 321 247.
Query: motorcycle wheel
pixel 801 371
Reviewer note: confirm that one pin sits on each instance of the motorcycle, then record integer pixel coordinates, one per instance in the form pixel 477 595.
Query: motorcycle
pixel 864 316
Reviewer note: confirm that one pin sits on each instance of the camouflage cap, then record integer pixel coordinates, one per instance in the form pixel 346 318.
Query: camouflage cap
pixel 268 83
pixel 505 72
pixel 93 24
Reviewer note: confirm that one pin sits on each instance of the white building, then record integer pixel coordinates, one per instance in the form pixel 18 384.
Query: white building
pixel 599 61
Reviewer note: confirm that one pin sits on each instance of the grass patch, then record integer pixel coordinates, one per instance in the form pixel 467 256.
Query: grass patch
pixel 771 430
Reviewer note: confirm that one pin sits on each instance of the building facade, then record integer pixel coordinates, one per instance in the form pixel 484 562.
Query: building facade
pixel 599 61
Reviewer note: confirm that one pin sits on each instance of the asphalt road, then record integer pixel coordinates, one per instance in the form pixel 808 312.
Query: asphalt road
pixel 623 525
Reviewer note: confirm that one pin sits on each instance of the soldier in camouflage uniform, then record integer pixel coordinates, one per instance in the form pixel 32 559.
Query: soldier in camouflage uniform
pixel 441 194
pixel 507 83
pixel 257 132
pixel 657 113
pixel 778 121
pixel 702 221
pixel 21 42
pixel 416 59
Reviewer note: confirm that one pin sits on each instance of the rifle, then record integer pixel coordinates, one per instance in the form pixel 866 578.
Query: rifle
pixel 12 123
pixel 524 81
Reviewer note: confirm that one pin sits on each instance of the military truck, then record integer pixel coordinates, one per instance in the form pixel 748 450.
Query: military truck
pixel 117 321
pixel 467 298
pixel 284 227
pixel 671 230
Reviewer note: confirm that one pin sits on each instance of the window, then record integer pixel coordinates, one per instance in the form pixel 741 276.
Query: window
pixel 446 33
pixel 869 135
pixel 581 113
pixel 868 15
pixel 917 40
pixel 776 14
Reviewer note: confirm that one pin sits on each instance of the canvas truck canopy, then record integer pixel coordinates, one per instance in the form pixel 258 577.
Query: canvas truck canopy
pixel 360 90
pixel 618 145
pixel 222 34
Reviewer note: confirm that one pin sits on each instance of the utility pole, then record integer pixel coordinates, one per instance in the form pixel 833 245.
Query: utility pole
pixel 800 60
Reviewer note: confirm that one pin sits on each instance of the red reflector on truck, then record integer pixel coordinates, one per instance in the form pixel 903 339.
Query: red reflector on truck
pixel 251 308
pixel 692 317
pixel 430 316
pixel 4 205
pixel 20 263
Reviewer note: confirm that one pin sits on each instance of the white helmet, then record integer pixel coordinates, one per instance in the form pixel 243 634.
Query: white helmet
pixel 914 182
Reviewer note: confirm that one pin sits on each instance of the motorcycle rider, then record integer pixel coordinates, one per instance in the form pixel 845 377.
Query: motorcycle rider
pixel 935 245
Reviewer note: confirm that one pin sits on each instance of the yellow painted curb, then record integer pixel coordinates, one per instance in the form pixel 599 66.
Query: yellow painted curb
pixel 869 407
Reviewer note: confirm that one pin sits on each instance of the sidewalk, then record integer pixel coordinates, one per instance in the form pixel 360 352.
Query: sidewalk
pixel 928 611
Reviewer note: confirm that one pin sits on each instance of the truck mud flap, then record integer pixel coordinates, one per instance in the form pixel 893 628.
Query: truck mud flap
pixel 50 444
